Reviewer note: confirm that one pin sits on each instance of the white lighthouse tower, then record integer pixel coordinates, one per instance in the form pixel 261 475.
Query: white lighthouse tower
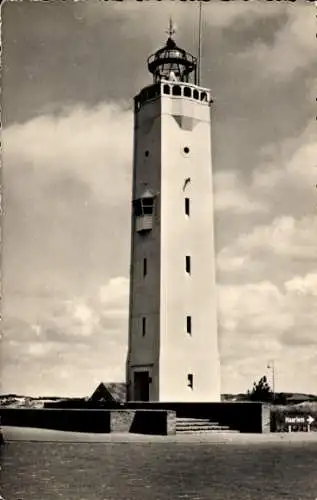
pixel 173 342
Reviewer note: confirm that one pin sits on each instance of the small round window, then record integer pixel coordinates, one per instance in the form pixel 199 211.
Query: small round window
pixel 186 150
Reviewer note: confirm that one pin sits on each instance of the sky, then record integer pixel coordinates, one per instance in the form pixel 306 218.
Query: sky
pixel 70 72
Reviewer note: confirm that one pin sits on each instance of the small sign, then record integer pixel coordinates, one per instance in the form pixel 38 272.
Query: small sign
pixel 295 420
pixel 299 420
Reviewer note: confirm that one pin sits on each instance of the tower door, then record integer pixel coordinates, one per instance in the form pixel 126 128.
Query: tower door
pixel 141 386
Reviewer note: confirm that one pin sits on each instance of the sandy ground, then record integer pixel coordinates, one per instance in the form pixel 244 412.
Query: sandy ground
pixel 33 434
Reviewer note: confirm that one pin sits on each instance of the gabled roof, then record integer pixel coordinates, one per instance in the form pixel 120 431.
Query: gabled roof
pixel 109 392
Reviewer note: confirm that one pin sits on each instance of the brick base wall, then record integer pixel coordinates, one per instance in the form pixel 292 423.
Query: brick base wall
pixel 122 420
pixel 143 421
pixel 171 422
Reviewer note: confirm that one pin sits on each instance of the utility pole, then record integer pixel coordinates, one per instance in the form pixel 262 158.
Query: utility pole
pixel 271 365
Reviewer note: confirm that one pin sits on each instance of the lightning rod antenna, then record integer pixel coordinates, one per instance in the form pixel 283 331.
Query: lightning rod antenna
pixel 199 41
pixel 171 29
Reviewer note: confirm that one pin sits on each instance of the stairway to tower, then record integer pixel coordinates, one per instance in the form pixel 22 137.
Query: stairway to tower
pixel 187 425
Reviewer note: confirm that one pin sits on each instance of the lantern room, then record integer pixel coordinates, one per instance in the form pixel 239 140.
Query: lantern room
pixel 173 63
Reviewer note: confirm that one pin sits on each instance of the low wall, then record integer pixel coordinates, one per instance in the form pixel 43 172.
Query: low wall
pixel 139 421
pixel 58 419
pixel 248 417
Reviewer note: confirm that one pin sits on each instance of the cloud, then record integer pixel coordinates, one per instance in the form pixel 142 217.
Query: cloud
pixel 260 321
pixel 82 319
pixel 267 294
pixel 220 14
pixel 231 195
pixel 60 371
pixel 286 171
pixel 289 165
pixel 303 285
pixel 284 237
pixel 85 337
pixel 67 184
pixel 66 195
pixel 293 47
pixel 92 146
pixel 116 289
pixel 251 304
pixel 266 206
pixel 267 247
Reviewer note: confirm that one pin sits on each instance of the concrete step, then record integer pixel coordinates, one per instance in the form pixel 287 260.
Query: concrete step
pixel 202 428
pixel 211 431
pixel 199 425
pixel 195 420
pixel 189 419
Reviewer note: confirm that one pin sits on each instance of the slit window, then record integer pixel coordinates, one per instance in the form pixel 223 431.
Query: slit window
pixel 190 380
pixel 144 267
pixel 189 324
pixel 187 208
pixel 143 326
pixel 187 264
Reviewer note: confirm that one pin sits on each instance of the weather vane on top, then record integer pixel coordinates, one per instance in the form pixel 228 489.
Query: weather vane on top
pixel 171 29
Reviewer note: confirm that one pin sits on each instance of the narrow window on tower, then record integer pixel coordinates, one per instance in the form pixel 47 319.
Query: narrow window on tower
pixel 187 209
pixel 143 326
pixel 189 324
pixel 187 260
pixel 144 267
pixel 190 380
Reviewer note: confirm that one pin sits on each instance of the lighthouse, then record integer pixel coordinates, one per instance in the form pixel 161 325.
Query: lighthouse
pixel 173 341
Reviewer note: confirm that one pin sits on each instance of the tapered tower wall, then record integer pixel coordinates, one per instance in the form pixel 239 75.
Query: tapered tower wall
pixel 173 341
